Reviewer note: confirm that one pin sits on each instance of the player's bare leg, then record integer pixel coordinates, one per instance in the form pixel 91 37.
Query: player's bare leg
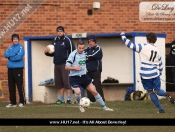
pixel 97 96
pixel 77 93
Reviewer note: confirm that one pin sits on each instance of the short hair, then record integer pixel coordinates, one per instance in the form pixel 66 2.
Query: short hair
pixel 15 36
pixel 80 42
pixel 151 37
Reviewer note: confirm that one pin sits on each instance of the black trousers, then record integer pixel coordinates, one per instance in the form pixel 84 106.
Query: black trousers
pixel 15 78
pixel 173 72
pixel 97 83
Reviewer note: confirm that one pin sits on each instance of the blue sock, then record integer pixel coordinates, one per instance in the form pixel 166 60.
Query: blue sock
pixel 100 100
pixel 161 92
pixel 68 97
pixel 155 100
pixel 61 98
pixel 77 97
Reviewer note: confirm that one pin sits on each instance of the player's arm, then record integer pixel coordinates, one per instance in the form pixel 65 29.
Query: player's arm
pixel 73 46
pixel 8 53
pixel 69 63
pixel 97 54
pixel 18 56
pixel 129 44
pixel 77 68
pixel 70 45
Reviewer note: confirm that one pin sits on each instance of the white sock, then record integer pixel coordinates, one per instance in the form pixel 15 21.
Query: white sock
pixel 100 100
pixel 77 97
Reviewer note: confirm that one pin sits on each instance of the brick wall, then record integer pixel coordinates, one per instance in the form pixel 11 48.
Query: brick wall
pixel 113 16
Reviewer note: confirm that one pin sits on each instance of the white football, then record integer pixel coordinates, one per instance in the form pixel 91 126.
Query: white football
pixel 51 48
pixel 85 102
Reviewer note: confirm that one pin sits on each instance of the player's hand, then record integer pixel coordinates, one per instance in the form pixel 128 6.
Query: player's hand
pixel 160 74
pixel 46 50
pixel 78 68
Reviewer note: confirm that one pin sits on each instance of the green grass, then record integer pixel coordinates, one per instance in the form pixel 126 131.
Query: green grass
pixel 123 109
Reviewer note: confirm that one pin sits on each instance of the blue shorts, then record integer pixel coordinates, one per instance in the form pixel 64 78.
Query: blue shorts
pixel 151 84
pixel 77 81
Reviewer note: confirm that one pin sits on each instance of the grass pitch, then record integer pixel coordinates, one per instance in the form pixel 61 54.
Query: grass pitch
pixel 122 109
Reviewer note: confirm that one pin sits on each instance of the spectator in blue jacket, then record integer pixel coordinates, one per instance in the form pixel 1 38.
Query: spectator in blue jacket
pixel 15 65
pixel 63 47
pixel 94 56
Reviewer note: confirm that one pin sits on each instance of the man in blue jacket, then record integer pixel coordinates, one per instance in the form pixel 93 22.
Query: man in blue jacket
pixel 15 65
pixel 63 47
pixel 94 56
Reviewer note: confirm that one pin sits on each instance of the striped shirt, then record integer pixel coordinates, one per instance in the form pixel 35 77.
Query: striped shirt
pixel 150 57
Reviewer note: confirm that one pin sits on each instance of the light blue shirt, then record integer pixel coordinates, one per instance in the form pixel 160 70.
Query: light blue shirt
pixel 80 59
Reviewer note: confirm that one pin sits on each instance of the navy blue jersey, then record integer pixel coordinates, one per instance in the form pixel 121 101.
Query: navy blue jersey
pixel 172 53
pixel 63 47
pixel 94 58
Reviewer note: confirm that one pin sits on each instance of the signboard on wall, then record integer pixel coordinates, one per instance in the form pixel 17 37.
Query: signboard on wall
pixel 79 35
pixel 157 11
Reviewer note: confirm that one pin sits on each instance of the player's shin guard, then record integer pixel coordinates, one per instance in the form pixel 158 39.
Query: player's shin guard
pixel 100 100
pixel 155 100
pixel 77 97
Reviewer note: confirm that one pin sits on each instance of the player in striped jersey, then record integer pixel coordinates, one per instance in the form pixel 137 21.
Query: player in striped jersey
pixel 151 67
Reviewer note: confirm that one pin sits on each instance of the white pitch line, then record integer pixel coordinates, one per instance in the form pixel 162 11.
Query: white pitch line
pixel 67 106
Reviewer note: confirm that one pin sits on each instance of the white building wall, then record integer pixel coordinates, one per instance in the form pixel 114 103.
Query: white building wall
pixel 117 62
pixel 42 69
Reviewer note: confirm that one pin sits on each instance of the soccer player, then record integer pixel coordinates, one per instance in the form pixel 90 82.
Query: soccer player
pixel 76 63
pixel 151 67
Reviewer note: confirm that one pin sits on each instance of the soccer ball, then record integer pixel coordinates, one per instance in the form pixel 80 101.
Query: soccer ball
pixel 52 48
pixel 85 102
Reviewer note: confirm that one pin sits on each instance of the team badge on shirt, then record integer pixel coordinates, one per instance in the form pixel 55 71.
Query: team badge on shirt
pixel 63 44
pixel 82 63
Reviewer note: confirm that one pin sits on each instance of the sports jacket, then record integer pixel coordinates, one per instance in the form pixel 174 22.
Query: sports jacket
pixel 63 47
pixel 172 53
pixel 94 58
pixel 15 54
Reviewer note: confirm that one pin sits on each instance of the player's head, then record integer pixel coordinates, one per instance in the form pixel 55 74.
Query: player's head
pixel 151 37
pixel 15 38
pixel 92 41
pixel 60 31
pixel 80 46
